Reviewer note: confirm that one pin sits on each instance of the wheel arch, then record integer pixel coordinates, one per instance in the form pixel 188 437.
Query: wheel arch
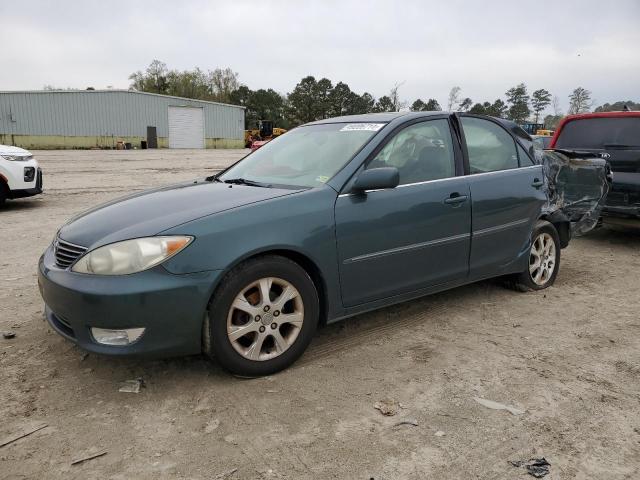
pixel 562 225
pixel 4 188
pixel 301 259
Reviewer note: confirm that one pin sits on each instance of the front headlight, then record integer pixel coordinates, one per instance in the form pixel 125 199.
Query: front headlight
pixel 17 158
pixel 130 256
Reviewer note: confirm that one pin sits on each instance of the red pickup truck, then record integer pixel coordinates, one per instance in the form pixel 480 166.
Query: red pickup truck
pixel 616 137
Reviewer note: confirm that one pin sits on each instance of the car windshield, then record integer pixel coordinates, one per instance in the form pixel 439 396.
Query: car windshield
pixel 307 156
pixel 600 133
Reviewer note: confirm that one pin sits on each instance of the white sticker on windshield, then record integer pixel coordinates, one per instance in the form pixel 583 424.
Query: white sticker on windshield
pixel 358 127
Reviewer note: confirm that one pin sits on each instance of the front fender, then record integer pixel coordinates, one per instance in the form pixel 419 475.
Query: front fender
pixel 302 223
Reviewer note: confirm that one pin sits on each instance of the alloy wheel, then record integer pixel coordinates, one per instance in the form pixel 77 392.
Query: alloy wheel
pixel 542 259
pixel 265 319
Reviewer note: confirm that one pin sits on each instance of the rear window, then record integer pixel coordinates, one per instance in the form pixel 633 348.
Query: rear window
pixel 600 133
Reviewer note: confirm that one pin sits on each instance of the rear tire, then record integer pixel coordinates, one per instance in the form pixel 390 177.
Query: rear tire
pixel 544 260
pixel 262 317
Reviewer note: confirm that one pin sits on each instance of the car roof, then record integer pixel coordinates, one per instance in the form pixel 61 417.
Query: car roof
pixel 387 117
pixel 629 113
pixel 375 117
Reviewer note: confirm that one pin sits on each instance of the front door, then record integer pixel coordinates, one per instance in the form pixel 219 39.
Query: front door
pixel 416 235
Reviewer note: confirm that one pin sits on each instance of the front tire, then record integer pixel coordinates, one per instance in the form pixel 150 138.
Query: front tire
pixel 263 316
pixel 544 260
pixel 4 193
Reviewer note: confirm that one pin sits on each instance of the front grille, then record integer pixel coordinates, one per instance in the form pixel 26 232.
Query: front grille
pixel 66 253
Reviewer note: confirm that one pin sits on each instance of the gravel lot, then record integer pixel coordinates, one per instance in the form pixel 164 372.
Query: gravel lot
pixel 569 357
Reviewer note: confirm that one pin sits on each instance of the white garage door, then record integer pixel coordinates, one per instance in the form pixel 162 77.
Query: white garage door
pixel 186 127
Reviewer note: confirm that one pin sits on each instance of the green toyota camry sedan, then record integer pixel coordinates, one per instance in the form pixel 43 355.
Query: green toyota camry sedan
pixel 332 219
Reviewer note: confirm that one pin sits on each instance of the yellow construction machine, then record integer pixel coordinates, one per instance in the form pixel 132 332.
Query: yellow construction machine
pixel 265 131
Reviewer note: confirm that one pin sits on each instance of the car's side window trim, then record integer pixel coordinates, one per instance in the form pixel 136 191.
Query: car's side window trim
pixel 463 144
pixel 455 177
pixel 506 170
pixel 463 141
pixel 457 153
pixel 459 146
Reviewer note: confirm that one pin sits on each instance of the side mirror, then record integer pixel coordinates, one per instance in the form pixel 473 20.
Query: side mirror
pixel 377 179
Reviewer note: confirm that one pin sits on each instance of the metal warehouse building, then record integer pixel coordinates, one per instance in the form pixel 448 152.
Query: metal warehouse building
pixel 102 118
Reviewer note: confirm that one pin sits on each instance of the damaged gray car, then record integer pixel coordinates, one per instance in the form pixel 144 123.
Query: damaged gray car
pixel 577 183
pixel 330 220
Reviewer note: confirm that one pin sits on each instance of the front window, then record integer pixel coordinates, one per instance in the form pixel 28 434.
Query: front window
pixel 304 157
pixel 420 152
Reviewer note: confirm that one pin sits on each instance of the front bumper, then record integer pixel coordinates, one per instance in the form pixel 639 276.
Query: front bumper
pixel 15 173
pixel 170 307
pixel 29 192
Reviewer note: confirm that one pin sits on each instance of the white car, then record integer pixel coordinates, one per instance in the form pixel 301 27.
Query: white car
pixel 20 175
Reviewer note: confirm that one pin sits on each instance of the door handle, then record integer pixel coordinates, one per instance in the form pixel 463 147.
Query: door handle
pixel 455 198
pixel 537 183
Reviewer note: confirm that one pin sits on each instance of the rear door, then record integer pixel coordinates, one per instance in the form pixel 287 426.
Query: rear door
pixel 413 236
pixel 506 194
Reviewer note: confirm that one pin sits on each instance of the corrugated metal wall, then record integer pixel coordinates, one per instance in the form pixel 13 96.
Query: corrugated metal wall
pixel 106 113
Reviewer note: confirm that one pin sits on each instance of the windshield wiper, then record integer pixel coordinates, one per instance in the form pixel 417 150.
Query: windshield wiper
pixel 244 181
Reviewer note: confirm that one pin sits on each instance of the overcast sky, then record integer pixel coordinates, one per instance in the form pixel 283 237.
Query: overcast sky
pixel 484 47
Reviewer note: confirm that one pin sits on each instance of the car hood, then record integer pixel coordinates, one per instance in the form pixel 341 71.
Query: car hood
pixel 151 212
pixel 9 150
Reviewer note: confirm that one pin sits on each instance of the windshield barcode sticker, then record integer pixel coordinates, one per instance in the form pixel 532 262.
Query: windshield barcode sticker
pixel 359 127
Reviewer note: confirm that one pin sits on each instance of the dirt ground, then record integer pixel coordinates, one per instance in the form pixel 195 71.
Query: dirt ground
pixel 569 357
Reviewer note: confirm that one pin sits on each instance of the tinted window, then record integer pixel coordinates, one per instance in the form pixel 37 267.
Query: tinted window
pixel 525 160
pixel 305 156
pixel 420 152
pixel 489 146
pixel 621 132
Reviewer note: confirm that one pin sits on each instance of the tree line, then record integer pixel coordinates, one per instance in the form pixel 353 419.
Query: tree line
pixel 315 99
pixel 521 107
pixel 310 99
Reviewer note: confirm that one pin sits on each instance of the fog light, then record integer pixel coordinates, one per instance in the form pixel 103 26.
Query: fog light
pixel 116 337
pixel 29 174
